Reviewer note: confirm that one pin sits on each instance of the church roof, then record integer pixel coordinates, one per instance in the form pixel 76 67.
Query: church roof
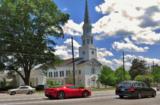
pixel 79 61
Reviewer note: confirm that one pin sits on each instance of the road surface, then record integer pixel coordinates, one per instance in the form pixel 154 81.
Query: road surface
pixel 98 98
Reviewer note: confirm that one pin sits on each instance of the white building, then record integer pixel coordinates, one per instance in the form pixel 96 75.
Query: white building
pixel 87 67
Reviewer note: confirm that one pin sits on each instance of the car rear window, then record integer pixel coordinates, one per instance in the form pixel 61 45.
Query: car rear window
pixel 125 84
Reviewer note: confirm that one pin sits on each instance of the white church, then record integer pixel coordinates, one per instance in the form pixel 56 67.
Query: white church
pixel 87 67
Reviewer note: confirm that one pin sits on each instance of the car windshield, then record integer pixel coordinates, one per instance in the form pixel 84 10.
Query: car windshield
pixel 23 87
pixel 125 84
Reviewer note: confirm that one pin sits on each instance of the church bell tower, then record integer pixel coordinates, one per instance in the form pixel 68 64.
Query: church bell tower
pixel 88 50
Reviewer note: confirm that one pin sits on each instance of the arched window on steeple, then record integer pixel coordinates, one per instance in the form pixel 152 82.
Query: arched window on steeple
pixel 87 41
pixel 91 41
pixel 84 42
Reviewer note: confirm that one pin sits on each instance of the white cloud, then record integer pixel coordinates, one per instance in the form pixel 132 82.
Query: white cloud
pixel 148 60
pixel 146 37
pixel 65 52
pixel 156 17
pixel 128 45
pixel 102 54
pixel 115 63
pixel 72 28
pixel 65 9
pixel 130 17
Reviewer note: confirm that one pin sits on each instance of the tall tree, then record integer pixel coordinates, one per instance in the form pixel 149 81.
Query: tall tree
pixel 25 27
pixel 138 68
pixel 120 75
pixel 107 76
pixel 156 73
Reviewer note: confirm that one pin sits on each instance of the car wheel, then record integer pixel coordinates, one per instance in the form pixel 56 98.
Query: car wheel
pixel 139 96
pixel 50 97
pixel 85 94
pixel 61 95
pixel 30 92
pixel 154 94
pixel 120 96
pixel 13 93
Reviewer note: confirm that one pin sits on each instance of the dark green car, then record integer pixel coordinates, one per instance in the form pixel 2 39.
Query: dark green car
pixel 134 89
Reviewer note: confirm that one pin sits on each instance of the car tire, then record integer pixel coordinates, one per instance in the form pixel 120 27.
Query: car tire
pixel 13 93
pixel 120 96
pixel 139 96
pixel 85 94
pixel 61 95
pixel 30 92
pixel 154 94
pixel 50 97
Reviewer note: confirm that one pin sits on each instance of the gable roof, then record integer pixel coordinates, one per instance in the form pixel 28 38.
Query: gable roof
pixel 79 61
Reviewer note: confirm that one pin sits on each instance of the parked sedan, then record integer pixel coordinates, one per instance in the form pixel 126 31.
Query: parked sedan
pixel 22 90
pixel 158 87
pixel 67 91
pixel 134 89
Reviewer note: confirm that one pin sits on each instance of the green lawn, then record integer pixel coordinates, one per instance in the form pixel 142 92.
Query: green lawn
pixel 103 89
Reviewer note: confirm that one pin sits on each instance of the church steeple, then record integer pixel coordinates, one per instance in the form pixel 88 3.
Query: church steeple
pixel 86 15
pixel 88 50
pixel 87 25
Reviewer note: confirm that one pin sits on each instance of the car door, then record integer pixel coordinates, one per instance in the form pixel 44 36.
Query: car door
pixel 72 91
pixel 146 89
pixel 23 89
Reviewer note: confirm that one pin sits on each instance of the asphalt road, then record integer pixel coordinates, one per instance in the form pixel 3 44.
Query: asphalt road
pixel 98 98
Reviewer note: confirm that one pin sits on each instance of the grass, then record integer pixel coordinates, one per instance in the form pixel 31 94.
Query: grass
pixel 103 89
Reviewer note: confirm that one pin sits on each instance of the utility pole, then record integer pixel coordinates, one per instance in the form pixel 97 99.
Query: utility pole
pixel 123 66
pixel 73 61
pixel 153 66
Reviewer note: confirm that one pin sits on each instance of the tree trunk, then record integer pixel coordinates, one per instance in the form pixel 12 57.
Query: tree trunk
pixel 27 72
pixel 26 81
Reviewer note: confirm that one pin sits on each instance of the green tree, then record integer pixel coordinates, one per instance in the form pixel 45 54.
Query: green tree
pixel 121 74
pixel 52 83
pixel 107 76
pixel 138 68
pixel 148 79
pixel 156 73
pixel 25 30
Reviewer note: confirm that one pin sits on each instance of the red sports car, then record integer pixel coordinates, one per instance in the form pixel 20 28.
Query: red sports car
pixel 67 91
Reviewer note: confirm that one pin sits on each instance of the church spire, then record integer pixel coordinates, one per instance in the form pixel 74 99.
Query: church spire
pixel 87 25
pixel 87 51
pixel 86 15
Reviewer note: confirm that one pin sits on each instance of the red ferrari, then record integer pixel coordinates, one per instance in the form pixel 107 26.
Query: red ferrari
pixel 66 91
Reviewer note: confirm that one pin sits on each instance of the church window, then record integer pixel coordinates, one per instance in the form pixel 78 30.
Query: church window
pixel 79 72
pixel 50 74
pixel 83 52
pixel 83 42
pixel 91 41
pixel 61 73
pixel 68 73
pixel 87 41
pixel 56 74
pixel 92 52
pixel 93 71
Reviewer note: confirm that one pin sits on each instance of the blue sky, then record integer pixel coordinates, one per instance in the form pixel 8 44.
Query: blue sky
pixel 118 25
